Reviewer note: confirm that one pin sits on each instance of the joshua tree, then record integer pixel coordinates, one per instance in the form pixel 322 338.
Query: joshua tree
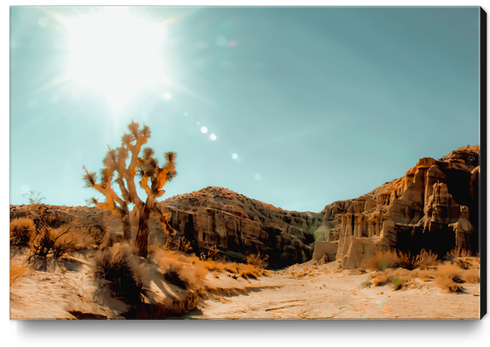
pixel 153 178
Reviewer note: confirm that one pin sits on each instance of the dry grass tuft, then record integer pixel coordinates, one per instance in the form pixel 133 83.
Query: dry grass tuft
pixel 258 261
pixel 382 261
pixel 449 278
pixel 21 231
pixel 117 268
pixel 426 259
pixel 17 271
pixel 181 245
pixel 58 242
pixel 179 269
pixel 209 255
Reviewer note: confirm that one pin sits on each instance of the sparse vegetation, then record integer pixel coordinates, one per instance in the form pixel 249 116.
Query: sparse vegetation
pixel 426 259
pixel 382 261
pixel 449 278
pixel 118 269
pixel 34 198
pixel 21 231
pixel 257 261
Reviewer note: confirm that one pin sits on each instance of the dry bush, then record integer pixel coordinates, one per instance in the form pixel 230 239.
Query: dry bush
pixel 407 261
pixel 471 276
pixel 462 263
pixel 400 278
pixel 382 260
pixel 210 253
pixel 17 271
pixel 258 261
pixel 379 278
pixel 21 231
pixel 95 234
pixel 426 259
pixel 58 242
pixel 211 265
pixel 179 269
pixel 181 245
pixel 117 268
pixel 459 252
pixel 449 278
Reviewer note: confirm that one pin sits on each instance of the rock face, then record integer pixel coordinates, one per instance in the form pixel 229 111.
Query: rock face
pixel 212 216
pixel 239 225
pixel 433 207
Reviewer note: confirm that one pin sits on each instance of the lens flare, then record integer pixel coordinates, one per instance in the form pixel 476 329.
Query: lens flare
pixel 204 130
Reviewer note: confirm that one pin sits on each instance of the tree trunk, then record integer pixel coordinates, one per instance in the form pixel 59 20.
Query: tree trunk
pixel 142 235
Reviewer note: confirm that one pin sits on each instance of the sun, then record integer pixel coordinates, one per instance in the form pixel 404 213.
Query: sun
pixel 115 53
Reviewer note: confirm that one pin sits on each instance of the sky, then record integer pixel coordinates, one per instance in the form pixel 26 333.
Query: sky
pixel 296 107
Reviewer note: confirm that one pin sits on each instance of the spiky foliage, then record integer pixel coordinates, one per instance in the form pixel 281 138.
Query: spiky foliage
pixel 120 166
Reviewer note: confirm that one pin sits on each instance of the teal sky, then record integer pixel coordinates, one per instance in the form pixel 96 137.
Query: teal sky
pixel 307 105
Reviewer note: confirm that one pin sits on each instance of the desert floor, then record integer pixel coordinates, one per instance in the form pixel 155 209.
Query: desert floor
pixel 304 291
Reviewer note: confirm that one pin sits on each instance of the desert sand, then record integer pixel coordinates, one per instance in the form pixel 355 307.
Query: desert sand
pixel 302 291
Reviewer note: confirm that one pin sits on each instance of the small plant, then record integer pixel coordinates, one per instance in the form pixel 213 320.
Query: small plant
pixel 21 231
pixel 57 242
pixel 209 254
pixel 117 267
pixel 449 278
pixel 34 198
pixel 407 261
pixel 181 245
pixel 258 261
pixel 426 259
pixel 382 261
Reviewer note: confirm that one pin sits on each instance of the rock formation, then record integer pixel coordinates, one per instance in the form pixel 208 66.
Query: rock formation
pixel 433 207
pixel 239 225
pixel 212 216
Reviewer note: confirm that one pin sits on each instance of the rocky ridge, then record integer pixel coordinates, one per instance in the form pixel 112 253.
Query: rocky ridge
pixel 433 207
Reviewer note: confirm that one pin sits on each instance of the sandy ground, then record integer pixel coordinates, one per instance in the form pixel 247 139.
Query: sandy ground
pixel 327 295
pixel 303 291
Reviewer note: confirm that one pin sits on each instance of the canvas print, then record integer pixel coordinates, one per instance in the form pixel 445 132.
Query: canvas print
pixel 261 163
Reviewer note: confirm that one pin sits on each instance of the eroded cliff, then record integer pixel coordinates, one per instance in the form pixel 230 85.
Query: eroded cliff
pixel 433 207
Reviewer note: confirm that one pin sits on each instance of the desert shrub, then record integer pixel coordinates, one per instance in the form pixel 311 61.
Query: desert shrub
pixel 211 265
pixel 58 242
pixel 257 261
pixel 459 252
pixel 382 260
pixel 449 278
pixel 426 259
pixel 17 271
pixel 210 253
pixel 462 263
pixel 407 261
pixel 117 267
pixel 21 231
pixel 179 269
pixel 181 245
pixel 471 276
pixel 379 278
pixel 400 278
pixel 95 234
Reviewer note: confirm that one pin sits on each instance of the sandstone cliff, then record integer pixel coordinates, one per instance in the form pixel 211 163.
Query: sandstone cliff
pixel 434 206
pixel 239 225
pixel 212 216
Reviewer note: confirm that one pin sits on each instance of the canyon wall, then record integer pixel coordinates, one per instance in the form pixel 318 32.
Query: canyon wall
pixel 433 207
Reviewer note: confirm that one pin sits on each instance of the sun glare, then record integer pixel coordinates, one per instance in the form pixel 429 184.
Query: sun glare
pixel 116 53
